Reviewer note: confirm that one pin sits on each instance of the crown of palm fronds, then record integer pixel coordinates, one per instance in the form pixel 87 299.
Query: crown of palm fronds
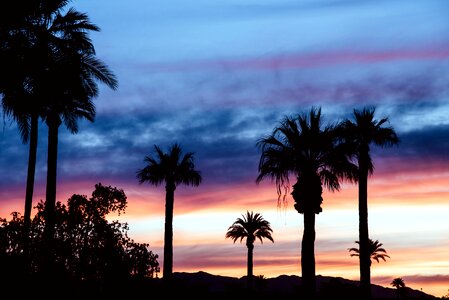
pixel 251 226
pixel 375 250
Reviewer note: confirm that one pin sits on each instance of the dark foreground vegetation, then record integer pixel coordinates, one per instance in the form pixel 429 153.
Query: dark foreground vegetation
pixel 91 256
pixel 194 286
pixel 88 253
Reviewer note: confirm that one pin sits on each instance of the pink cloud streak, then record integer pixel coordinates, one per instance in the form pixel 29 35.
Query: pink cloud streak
pixel 300 60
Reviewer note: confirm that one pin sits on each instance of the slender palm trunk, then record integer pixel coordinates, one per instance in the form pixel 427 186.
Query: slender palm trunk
pixel 308 254
pixel 53 123
pixel 249 267
pixel 30 185
pixel 364 256
pixel 168 234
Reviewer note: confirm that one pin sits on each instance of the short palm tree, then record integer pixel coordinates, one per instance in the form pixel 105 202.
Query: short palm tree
pixel 375 250
pixel 171 168
pixel 361 133
pixel 250 227
pixel 399 284
pixel 301 147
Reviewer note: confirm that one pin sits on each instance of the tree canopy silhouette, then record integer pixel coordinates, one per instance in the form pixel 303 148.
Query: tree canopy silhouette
pixel 88 247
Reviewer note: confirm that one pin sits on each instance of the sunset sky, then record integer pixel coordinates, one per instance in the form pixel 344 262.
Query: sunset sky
pixel 215 76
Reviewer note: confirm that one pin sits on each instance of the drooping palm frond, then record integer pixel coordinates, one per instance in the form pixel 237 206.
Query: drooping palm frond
pixel 301 146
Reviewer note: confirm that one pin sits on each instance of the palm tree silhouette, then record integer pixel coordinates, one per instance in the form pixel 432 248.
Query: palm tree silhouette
pixel 252 227
pixel 399 284
pixel 18 61
pixel 57 81
pixel 300 147
pixel 375 250
pixel 172 169
pixel 67 84
pixel 361 133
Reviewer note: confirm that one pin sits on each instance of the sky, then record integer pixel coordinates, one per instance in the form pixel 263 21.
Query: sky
pixel 215 77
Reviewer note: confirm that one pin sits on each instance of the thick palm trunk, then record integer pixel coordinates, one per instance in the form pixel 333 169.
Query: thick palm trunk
pixel 168 234
pixel 364 255
pixel 307 193
pixel 53 123
pixel 308 255
pixel 249 267
pixel 30 185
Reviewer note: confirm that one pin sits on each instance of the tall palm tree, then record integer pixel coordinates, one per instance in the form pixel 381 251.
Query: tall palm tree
pixel 250 227
pixel 16 49
pixel 376 251
pixel 71 102
pixel 301 147
pixel 171 168
pixel 67 82
pixel 58 72
pixel 361 132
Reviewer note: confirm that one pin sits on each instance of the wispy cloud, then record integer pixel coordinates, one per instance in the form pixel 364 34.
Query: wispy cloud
pixel 306 60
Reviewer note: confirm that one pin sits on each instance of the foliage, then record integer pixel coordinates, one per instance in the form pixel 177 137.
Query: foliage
pixel 398 283
pixel 252 227
pixel 375 250
pixel 171 168
pixel 88 247
pixel 304 148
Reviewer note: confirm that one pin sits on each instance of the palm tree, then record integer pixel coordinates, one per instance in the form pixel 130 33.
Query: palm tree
pixel 58 68
pixel 172 169
pixel 375 250
pixel 300 147
pixel 251 226
pixel 16 59
pixel 76 76
pixel 361 133
pixel 399 284
pixel 67 83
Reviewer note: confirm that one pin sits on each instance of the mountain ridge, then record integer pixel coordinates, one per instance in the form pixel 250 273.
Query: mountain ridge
pixel 327 286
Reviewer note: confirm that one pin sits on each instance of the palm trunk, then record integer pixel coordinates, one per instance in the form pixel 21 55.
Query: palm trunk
pixel 307 193
pixel 53 123
pixel 168 234
pixel 364 255
pixel 308 255
pixel 250 275
pixel 30 186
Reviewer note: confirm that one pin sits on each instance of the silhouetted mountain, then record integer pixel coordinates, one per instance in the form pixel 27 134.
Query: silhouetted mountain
pixel 328 287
